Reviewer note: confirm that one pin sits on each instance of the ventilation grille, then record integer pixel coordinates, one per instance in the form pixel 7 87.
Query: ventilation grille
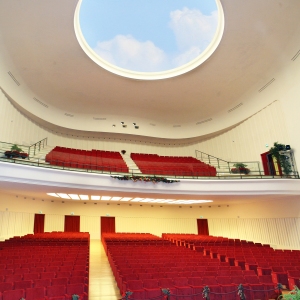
pixel 234 108
pixel 176 126
pixel 14 79
pixel 266 85
pixel 204 121
pixel 152 124
pixel 69 115
pixel 40 102
pixel 296 56
pixel 99 119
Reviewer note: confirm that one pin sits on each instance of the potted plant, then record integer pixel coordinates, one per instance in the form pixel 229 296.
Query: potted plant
pixel 282 160
pixel 15 152
pixel 292 295
pixel 240 168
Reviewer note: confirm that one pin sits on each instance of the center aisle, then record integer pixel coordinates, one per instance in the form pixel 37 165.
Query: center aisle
pixel 102 284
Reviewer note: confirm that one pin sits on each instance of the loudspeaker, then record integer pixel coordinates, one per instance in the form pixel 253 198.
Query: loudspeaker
pixel 287 147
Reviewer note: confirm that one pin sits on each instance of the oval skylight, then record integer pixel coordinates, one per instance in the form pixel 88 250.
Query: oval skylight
pixel 145 39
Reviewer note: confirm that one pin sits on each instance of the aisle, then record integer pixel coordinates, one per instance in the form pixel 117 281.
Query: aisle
pixel 102 285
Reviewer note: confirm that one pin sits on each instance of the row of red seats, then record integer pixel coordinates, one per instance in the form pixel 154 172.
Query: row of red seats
pixel 142 263
pixel 172 165
pixel 95 159
pixel 63 292
pixel 57 268
pixel 282 265
pixel 224 288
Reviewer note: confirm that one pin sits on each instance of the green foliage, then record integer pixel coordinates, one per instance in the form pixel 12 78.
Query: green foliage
pixel 292 295
pixel 281 159
pixel 15 147
pixel 239 165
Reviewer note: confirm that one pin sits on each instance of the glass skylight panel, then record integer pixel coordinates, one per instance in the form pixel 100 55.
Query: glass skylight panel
pixel 126 199
pixel 63 196
pixel 84 197
pixel 203 23
pixel 53 195
pixel 115 198
pixel 105 198
pixel 95 197
pixel 74 196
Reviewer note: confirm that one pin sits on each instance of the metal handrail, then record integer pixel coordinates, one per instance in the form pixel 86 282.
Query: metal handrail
pixel 42 142
pixel 90 168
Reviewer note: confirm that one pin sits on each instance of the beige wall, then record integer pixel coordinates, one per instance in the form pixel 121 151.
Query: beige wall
pixel 243 143
pixel 274 222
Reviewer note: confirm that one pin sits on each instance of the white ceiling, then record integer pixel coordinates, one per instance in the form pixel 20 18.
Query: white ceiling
pixel 38 46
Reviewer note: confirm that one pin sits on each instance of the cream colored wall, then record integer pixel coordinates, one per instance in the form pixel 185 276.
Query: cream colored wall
pixel 243 143
pixel 273 222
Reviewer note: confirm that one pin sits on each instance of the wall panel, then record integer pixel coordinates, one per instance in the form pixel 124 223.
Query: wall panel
pixel 15 224
pixel 278 232
pixel 156 226
pixel 54 222
pixel 90 224
pixel 245 142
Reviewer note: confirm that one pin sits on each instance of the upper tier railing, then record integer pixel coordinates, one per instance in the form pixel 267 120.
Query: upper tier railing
pixel 118 171
pixel 30 150
pixel 228 167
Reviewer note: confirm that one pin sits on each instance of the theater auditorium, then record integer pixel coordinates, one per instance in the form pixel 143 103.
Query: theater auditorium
pixel 155 203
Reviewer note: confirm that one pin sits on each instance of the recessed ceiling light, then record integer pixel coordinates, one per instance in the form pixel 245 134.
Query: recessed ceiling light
pixel 134 124
pixel 105 198
pixel 122 122
pixel 115 198
pixel 147 200
pixel 126 199
pixel 84 197
pixel 63 196
pixel 74 196
pixel 137 199
pixel 52 194
pixel 95 197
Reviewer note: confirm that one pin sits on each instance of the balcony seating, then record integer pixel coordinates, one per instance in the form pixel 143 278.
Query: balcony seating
pixel 100 160
pixel 172 165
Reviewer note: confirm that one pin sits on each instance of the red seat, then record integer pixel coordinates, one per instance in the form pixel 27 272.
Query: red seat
pixel 13 294
pixel 37 293
pixel 136 286
pixel 42 282
pixel 56 292
pixel 76 289
pixel 24 284
pixel 151 287
pixel 59 281
pixel 182 288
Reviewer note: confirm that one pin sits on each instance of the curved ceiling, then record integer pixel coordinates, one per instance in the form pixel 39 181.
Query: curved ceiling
pixel 45 71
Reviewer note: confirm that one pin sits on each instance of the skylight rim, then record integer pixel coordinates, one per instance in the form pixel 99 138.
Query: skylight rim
pixel 151 75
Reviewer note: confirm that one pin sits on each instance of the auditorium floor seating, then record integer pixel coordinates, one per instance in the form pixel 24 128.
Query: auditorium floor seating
pixel 45 266
pixel 172 165
pixel 99 160
pixel 144 264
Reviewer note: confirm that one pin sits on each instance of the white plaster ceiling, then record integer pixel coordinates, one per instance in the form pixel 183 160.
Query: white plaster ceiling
pixel 38 46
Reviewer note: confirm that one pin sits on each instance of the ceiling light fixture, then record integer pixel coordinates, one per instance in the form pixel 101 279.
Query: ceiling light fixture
pixel 84 197
pixel 63 196
pixel 74 196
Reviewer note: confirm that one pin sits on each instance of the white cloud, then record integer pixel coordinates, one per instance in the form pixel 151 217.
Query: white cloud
pixel 192 28
pixel 129 53
pixel 193 32
pixel 185 57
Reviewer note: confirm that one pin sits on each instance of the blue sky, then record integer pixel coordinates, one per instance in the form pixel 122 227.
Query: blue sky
pixel 148 35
